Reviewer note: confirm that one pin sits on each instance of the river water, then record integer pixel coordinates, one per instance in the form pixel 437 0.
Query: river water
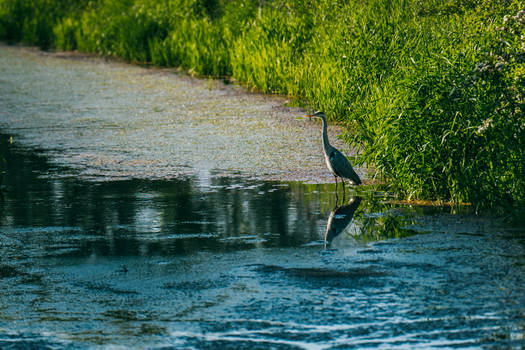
pixel 143 209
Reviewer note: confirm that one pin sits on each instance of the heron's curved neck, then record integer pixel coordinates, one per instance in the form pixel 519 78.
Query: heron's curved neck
pixel 326 145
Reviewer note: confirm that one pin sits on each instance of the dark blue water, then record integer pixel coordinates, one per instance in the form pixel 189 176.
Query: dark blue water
pixel 136 212
pixel 238 263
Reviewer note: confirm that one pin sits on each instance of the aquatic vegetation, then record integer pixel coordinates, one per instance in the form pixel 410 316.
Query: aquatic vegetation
pixel 431 92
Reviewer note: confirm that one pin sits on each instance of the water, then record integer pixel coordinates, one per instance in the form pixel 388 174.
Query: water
pixel 104 255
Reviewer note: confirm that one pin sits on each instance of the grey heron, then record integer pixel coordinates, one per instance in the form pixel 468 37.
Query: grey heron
pixel 336 162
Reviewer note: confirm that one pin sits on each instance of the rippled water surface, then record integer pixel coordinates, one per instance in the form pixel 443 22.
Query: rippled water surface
pixel 125 246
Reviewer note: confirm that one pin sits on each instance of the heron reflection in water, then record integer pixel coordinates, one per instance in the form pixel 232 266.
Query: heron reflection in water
pixel 340 218
pixel 336 162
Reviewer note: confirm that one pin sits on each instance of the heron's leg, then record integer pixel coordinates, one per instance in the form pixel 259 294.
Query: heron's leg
pixel 336 199
pixel 344 192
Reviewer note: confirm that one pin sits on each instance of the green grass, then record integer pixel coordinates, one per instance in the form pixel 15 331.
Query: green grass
pixel 432 92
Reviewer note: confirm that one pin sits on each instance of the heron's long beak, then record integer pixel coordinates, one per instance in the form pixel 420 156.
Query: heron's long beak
pixel 309 116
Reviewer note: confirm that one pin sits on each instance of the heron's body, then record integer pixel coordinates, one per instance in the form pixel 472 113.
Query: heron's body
pixel 336 162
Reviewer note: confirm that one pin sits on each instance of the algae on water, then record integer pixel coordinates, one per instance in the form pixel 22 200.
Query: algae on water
pixel 109 120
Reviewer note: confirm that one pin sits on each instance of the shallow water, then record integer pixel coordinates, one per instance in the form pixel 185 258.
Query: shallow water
pixel 114 257
pixel 115 121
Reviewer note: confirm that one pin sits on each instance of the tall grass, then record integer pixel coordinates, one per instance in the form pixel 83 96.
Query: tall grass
pixel 432 92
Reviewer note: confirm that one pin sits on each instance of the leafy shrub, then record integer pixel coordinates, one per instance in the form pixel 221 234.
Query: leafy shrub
pixel 451 123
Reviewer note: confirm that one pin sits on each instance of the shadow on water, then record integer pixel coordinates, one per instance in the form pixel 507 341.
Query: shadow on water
pixel 213 261
pixel 340 218
pixel 141 217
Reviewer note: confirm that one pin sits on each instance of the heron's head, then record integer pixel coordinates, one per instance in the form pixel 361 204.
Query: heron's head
pixel 317 114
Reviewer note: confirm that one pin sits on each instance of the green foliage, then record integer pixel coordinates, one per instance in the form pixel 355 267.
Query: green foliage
pixel 450 125
pixel 284 31
pixel 33 21
pixel 432 92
